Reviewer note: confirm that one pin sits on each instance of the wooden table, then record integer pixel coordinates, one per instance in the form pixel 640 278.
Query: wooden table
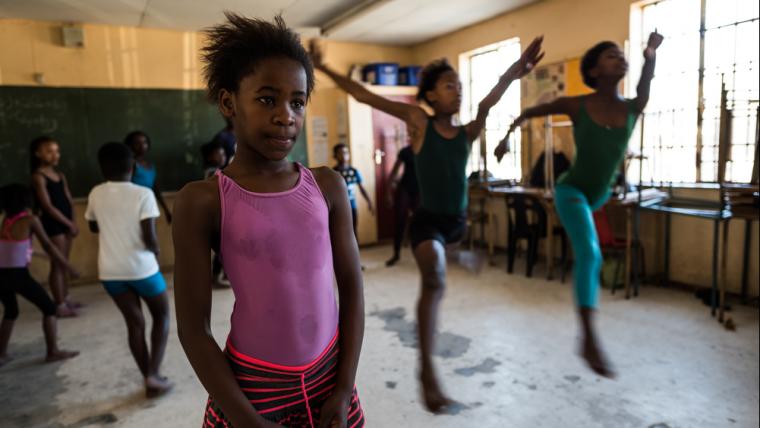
pixel 630 202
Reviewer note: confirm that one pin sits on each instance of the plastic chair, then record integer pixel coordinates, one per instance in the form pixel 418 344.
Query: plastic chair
pixel 526 219
pixel 615 247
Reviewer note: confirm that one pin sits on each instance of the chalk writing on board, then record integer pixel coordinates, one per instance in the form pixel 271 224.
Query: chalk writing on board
pixel 31 103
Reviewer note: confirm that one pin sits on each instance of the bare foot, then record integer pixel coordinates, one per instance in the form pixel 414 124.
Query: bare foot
pixel 392 261
pixel 74 305
pixel 59 355
pixel 156 386
pixel 64 311
pixel 434 399
pixel 595 358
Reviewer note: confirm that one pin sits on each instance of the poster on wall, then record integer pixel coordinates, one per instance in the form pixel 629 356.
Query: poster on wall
pixel 544 85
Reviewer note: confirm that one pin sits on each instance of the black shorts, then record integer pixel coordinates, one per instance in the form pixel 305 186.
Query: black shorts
pixel 54 227
pixel 444 228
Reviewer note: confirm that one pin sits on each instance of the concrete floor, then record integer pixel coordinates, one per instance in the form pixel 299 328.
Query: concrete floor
pixel 507 353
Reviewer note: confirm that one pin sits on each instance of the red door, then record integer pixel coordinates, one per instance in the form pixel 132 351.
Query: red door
pixel 390 137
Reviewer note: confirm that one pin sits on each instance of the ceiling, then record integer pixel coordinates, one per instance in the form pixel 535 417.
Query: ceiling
pixel 395 22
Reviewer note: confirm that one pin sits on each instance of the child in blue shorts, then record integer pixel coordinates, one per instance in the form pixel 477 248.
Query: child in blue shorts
pixel 124 215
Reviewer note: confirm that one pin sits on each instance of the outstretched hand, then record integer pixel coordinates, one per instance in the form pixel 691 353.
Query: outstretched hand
pixel 528 60
pixel 503 147
pixel 654 42
pixel 317 54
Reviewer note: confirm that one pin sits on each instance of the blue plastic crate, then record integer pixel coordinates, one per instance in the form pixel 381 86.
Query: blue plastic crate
pixel 381 73
pixel 409 75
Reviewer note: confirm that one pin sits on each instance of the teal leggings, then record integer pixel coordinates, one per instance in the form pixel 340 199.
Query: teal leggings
pixel 574 211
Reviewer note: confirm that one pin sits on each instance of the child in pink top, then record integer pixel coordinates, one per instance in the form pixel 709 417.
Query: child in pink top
pixel 284 234
pixel 16 232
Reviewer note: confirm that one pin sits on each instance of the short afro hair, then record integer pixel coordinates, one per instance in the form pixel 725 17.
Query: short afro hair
pixel 115 159
pixel 209 148
pixel 338 147
pixel 132 137
pixel 591 58
pixel 34 161
pixel 429 77
pixel 14 198
pixel 238 45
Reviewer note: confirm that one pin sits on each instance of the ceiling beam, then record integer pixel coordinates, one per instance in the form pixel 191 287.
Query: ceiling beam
pixel 352 14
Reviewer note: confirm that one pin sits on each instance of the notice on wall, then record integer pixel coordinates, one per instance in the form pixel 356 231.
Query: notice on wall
pixel 320 142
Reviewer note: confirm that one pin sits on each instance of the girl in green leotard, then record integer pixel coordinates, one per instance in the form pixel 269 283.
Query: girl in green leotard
pixel 602 125
pixel 441 149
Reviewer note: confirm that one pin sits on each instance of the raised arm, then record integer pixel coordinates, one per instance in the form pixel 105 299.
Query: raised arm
pixel 350 294
pixel 411 114
pixel 528 60
pixel 197 220
pixel 562 105
pixel 647 72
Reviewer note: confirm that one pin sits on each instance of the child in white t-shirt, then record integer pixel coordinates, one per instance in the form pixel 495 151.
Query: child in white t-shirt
pixel 124 215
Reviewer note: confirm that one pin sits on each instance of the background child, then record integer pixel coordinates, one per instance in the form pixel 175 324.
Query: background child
pixel 284 234
pixel 353 181
pixel 602 125
pixel 404 195
pixel 144 173
pixel 226 138
pixel 124 215
pixel 16 231
pixel 214 158
pixel 56 204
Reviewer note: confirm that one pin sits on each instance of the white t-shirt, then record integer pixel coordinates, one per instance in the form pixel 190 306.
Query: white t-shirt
pixel 118 207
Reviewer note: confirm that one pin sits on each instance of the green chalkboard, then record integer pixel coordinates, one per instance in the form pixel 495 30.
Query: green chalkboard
pixel 81 119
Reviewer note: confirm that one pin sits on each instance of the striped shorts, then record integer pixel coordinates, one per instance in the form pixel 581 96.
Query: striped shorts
pixel 289 396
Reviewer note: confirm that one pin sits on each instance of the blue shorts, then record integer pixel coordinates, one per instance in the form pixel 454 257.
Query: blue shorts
pixel 146 287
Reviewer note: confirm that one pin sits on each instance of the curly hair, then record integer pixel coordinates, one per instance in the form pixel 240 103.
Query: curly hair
pixel 115 159
pixel 429 77
pixel 34 161
pixel 590 59
pixel 238 45
pixel 132 137
pixel 14 198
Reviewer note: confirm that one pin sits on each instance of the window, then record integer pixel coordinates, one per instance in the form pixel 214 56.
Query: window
pixel 681 123
pixel 480 70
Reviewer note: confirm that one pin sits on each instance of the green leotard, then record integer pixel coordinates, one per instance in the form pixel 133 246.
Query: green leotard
pixel 442 171
pixel 598 153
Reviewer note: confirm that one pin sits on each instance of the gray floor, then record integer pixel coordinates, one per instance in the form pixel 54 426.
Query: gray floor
pixel 507 353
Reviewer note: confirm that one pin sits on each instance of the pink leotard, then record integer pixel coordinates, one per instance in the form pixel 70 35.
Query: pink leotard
pixel 14 253
pixel 276 251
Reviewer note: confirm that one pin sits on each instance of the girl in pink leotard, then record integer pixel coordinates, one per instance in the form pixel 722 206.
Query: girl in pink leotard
pixel 285 238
